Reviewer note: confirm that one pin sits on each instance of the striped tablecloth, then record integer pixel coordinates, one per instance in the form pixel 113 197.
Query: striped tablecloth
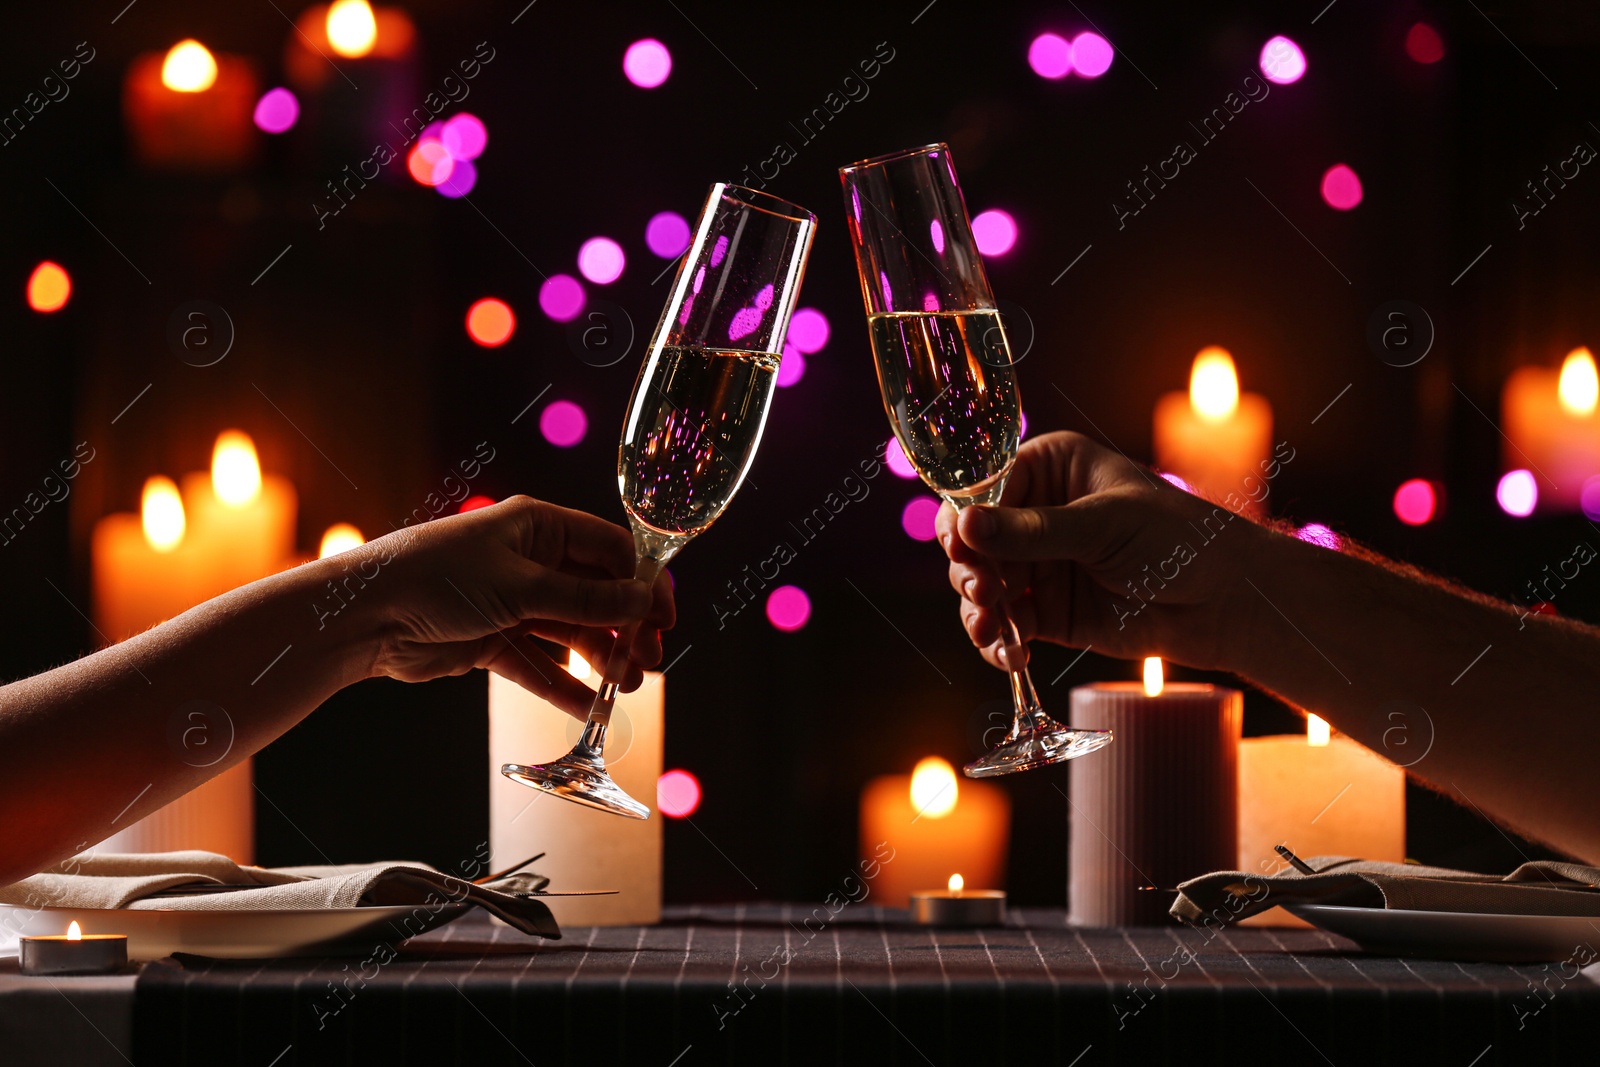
pixel 791 984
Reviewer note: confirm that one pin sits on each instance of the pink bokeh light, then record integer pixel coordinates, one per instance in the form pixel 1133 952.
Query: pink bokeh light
pixel 667 234
pixel 561 297
pixel 1341 189
pixel 647 63
pixel 563 423
pixel 1315 533
pixel 1518 494
pixel 917 518
pixel 1589 497
pixel 463 176
pixel 808 330
pixel 1282 62
pixel 1415 502
pixel 1050 56
pixel 1424 44
pixel 898 464
pixel 600 259
pixel 788 608
pixel 677 794
pixel 465 136
pixel 1091 54
pixel 995 231
pixel 792 367
pixel 277 110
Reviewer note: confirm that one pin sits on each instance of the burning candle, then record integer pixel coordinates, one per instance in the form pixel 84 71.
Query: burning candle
pixel 374 47
pixel 1552 427
pixel 1321 796
pixel 956 905
pixel 243 522
pixel 922 826
pixel 189 109
pixel 143 565
pixel 1216 438
pixel 1158 806
pixel 74 952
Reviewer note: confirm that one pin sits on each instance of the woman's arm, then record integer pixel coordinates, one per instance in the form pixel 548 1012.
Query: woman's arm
pixel 90 747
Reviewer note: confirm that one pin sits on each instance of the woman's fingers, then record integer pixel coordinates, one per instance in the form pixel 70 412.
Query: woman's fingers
pixel 523 662
pixel 543 592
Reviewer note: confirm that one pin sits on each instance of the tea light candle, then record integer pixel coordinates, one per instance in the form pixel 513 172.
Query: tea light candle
pixel 190 108
pixel 1552 427
pixel 958 906
pixel 1214 437
pixel 923 825
pixel 74 952
pixel 1157 807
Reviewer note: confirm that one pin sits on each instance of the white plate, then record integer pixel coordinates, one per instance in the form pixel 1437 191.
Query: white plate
pixel 1458 935
pixel 236 934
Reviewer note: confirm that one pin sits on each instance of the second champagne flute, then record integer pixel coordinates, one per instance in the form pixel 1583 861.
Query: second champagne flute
pixel 948 382
pixel 694 421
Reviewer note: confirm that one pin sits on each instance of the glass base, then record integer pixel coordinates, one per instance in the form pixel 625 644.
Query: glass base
pixel 1037 748
pixel 581 781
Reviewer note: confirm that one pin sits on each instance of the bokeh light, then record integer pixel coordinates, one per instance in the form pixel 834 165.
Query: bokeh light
pixel 235 469
pixel 1415 502
pixel 792 367
pixel 935 789
pixel 917 518
pixel 1341 189
pixel 1177 481
pixel 1282 62
pixel 1578 387
pixel 1589 497
pixel 561 297
pixel 600 259
pixel 473 503
pixel 1317 534
pixel 1050 56
pixel 895 457
pixel 808 330
pixel 677 794
pixel 995 231
pixel 490 322
pixel 647 63
pixel 788 608
pixel 1091 54
pixel 563 424
pixel 352 28
pixel 49 287
pixel 463 176
pixel 667 234
pixel 1517 494
pixel 464 136
pixel 430 162
pixel 276 111
pixel 189 68
pixel 1424 44
pixel 161 514
pixel 340 537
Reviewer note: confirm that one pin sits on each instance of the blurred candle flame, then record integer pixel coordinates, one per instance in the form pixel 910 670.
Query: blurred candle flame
pixel 74 931
pixel 235 470
pixel 934 789
pixel 1579 387
pixel 577 666
pixel 1154 682
pixel 340 537
pixel 352 28
pixel 1213 384
pixel 161 514
pixel 189 68
pixel 957 883
pixel 1318 732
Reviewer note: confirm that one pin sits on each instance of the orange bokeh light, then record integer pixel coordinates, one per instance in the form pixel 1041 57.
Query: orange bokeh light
pixel 430 163
pixel 49 286
pixel 490 322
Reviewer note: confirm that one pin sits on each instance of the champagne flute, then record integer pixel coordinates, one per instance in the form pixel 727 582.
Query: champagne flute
pixel 948 382
pixel 694 421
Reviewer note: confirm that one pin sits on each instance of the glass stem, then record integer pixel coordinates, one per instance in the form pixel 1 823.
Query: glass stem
pixel 592 744
pixel 1027 712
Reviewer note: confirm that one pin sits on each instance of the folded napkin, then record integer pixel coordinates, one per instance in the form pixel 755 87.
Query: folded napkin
pixel 1544 888
pixel 128 880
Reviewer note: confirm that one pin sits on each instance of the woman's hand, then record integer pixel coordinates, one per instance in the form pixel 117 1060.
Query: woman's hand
pixel 1098 551
pixel 468 591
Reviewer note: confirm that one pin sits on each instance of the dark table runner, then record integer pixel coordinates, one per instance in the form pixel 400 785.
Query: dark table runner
pixel 791 985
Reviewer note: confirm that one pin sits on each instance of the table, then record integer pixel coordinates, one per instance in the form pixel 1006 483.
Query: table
pixel 712 985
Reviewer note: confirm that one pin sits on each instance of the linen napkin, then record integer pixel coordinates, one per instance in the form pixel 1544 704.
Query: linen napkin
pixel 127 880
pixel 1542 888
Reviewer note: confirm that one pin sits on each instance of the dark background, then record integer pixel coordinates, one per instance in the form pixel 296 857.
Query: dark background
pixel 356 334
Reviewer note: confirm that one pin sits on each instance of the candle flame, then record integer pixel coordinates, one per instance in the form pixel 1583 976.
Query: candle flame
pixel 957 883
pixel 189 68
pixel 1154 681
pixel 235 470
pixel 1317 731
pixel 340 537
pixel 352 28
pixel 74 931
pixel 1213 385
pixel 933 787
pixel 577 666
pixel 1579 386
pixel 161 514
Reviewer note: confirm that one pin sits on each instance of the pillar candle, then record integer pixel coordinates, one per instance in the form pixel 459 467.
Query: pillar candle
pixel 1157 805
pixel 1552 428
pixel 925 826
pixel 1213 437
pixel 207 126
pixel 585 848
pixel 236 544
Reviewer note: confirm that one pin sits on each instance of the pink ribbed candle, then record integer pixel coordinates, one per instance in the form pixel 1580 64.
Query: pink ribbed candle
pixel 1158 805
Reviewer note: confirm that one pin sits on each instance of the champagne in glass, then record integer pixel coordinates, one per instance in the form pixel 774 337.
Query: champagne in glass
pixel 948 382
pixel 693 424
